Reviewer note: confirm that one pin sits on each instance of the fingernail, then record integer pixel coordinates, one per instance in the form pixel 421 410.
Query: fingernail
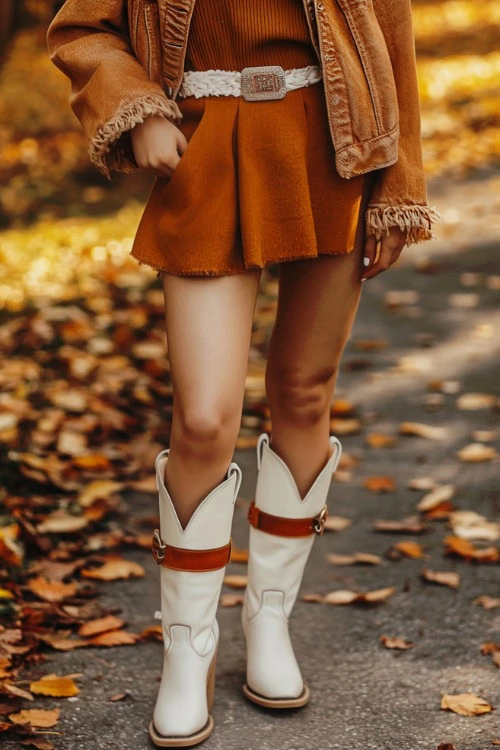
pixel 363 279
pixel 366 261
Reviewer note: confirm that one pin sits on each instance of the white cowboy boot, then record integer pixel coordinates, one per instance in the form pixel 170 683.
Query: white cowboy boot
pixel 283 528
pixel 192 571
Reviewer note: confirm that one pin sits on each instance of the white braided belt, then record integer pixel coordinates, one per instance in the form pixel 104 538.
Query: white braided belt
pixel 254 84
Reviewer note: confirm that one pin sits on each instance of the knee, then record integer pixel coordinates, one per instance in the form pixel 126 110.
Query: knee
pixel 300 396
pixel 206 432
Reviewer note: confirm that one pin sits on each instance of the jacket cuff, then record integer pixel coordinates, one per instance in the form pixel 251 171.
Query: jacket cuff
pixel 416 220
pixel 108 150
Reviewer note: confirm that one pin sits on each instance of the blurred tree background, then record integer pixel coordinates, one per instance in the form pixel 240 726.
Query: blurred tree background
pixel 54 201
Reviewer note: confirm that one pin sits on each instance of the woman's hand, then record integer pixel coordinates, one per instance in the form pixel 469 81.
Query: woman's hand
pixel 158 145
pixel 389 251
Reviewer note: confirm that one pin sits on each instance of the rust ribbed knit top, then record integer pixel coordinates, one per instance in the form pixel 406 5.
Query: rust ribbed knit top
pixel 241 33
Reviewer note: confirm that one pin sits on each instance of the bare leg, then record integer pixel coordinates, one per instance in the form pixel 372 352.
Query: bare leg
pixel 317 304
pixel 209 324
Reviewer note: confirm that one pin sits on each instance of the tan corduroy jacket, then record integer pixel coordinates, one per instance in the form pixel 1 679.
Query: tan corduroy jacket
pixel 125 60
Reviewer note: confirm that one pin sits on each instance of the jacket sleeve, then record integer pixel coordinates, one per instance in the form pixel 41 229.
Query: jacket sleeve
pixel 110 90
pixel 399 193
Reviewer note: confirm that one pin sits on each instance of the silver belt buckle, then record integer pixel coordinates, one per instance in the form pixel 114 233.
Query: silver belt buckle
pixel 263 83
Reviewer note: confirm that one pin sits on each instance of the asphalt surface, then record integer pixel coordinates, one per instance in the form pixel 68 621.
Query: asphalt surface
pixel 364 697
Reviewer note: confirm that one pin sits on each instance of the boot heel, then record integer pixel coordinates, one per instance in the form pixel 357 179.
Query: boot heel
pixel 211 682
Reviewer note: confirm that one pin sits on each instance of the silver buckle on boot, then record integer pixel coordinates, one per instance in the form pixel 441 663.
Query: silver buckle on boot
pixel 263 82
pixel 320 520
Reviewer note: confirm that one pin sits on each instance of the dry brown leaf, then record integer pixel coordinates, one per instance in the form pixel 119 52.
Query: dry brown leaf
pixel 446 746
pixel 487 602
pixel 236 581
pixel 51 591
pixel 57 687
pixel 98 490
pixel 337 523
pixel 443 577
pixel 465 704
pixel 115 569
pixel 465 549
pixel 340 597
pixel 15 690
pixel 422 483
pixel 37 717
pixel 379 440
pixel 363 558
pixel 100 625
pixel 62 643
pixel 118 697
pixel 345 426
pixel 239 555
pixel 467 524
pixel 395 642
pixel 62 523
pixel 435 497
pixel 39 742
pixel 380 484
pixel 313 598
pixel 410 549
pixel 490 648
pixel 422 430
pixel 343 596
pixel 370 344
pixel 231 600
pixel 114 638
pixel 495 742
pixel 410 525
pixel 477 453
pixel 474 401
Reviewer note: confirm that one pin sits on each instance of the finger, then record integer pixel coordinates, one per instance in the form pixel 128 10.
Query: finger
pixel 384 259
pixel 182 142
pixel 369 255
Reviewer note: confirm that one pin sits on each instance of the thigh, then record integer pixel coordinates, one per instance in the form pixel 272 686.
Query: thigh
pixel 317 304
pixel 208 325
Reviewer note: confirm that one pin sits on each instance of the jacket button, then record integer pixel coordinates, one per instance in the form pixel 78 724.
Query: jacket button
pixel 320 6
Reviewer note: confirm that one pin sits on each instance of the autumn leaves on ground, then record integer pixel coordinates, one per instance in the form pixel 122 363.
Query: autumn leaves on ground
pixel 86 402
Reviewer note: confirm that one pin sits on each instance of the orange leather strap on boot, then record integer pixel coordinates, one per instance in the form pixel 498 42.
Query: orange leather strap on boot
pixel 196 560
pixel 291 527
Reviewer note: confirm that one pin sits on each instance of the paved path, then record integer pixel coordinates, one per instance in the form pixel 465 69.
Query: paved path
pixel 364 697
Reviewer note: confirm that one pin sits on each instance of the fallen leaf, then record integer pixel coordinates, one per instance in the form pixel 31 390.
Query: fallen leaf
pixel 97 490
pixel 412 550
pixel 337 523
pixel 410 525
pixel 363 558
pixel 380 484
pixel 114 638
pixel 436 496
pixel 422 430
pixel 467 524
pixel 51 591
pixel 487 602
pixel 466 704
pixel 236 581
pixel 379 440
pixel 343 596
pixel 115 569
pixel 445 578
pixel 477 453
pixel 474 401
pixel 37 717
pixel 395 642
pixel 231 600
pixel 100 625
pixel 465 549
pixel 239 555
pixel 57 687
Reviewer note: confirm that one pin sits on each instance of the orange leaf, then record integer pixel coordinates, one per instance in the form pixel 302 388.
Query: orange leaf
pixel 466 704
pixel 37 717
pixel 380 484
pixel 57 687
pixel 101 625
pixel 51 591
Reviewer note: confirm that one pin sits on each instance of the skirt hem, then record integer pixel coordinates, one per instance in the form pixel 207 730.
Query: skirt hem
pixel 233 271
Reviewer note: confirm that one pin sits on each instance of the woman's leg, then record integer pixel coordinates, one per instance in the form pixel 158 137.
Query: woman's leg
pixel 317 304
pixel 209 324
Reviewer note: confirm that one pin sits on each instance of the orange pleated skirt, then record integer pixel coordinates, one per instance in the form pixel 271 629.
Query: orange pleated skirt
pixel 257 183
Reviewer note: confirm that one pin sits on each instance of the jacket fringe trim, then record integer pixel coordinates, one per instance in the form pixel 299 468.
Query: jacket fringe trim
pixel 414 219
pixel 107 152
